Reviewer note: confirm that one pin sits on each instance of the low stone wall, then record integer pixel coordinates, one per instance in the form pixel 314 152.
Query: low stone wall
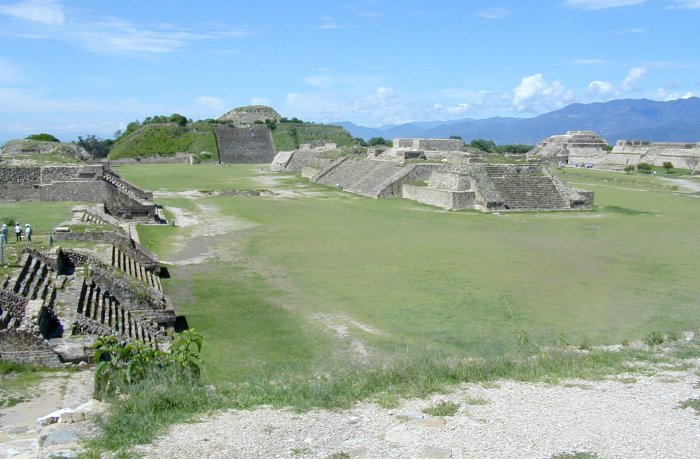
pixel 429 144
pixel 177 158
pixel 143 256
pixel 90 191
pixel 446 199
pixel 24 347
pixel 11 304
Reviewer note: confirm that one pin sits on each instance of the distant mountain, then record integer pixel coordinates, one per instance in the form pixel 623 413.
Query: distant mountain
pixel 631 119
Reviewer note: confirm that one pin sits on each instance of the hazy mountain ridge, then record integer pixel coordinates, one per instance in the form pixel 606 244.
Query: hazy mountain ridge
pixel 631 119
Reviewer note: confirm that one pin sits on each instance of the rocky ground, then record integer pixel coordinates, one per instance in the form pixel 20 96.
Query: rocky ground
pixel 52 418
pixel 621 417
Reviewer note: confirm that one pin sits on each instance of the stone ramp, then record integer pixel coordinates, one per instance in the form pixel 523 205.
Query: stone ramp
pixel 525 187
pixel 365 176
pixel 250 144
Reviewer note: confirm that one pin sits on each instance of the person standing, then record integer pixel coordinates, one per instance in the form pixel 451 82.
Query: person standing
pixel 3 233
pixel 18 232
pixel 28 232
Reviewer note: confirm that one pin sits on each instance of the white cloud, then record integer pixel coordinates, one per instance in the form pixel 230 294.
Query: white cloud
pixel 452 110
pixel 664 94
pixel 534 94
pixel 211 103
pixel 600 90
pixel 48 12
pixel 628 84
pixel 493 13
pixel 685 5
pixel 600 4
pixel 328 24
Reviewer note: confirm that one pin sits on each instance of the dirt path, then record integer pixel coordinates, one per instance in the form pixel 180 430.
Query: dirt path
pixel 690 184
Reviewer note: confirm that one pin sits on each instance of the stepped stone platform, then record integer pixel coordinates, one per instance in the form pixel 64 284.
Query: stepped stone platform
pixel 244 144
pixel 497 187
pixel 47 306
pixel 87 183
pixel 633 152
pixel 458 180
pixel 574 147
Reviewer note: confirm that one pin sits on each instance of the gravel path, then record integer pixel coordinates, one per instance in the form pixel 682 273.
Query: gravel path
pixel 622 417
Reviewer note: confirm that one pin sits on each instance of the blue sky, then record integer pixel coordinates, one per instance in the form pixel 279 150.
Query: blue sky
pixel 90 67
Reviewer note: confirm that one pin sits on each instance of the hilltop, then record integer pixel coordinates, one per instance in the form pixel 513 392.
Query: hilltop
pixel 174 134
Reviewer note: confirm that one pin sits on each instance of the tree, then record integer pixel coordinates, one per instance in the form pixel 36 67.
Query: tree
pixel 488 146
pixel 360 141
pixel 668 165
pixel 374 141
pixel 177 119
pixel 629 168
pixel 99 148
pixel 43 137
pixel 455 137
pixel 644 168
pixel 692 163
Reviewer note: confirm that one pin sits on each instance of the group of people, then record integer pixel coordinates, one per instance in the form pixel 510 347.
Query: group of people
pixel 18 232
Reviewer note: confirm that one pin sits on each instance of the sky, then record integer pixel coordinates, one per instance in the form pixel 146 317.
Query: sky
pixel 75 68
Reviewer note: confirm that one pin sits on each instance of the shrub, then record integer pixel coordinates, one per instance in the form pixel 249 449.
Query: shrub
pixel 644 168
pixel 43 137
pixel 654 339
pixel 122 365
pixel 629 169
pixel 668 165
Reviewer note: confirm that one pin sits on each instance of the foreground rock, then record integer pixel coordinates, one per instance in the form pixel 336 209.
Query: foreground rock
pixel 624 416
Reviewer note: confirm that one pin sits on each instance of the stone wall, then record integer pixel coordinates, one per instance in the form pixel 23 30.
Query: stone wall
pixel 24 347
pixel 12 306
pixel 446 199
pixel 252 144
pixel 633 152
pixel 429 144
pixel 127 245
pixel 177 158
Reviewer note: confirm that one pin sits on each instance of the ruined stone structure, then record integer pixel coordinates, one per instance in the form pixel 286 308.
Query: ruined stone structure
pixel 20 148
pixel 497 187
pixel 49 315
pixel 633 152
pixel 574 147
pixel 452 179
pixel 244 144
pixel 89 182
pixel 250 114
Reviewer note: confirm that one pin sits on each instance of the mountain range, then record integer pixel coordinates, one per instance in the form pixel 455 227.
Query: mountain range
pixel 628 119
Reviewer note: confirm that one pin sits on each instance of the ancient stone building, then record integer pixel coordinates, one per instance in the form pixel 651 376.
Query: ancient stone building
pixel 244 144
pixel 55 305
pixel 453 179
pixel 633 152
pixel 574 147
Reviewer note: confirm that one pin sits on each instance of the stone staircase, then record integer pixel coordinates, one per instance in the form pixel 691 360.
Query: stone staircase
pixel 34 281
pixel 101 313
pixel 365 176
pixel 250 144
pixel 133 192
pixel 125 263
pixel 525 187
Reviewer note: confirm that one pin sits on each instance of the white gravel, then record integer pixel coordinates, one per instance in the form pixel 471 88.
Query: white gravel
pixel 623 417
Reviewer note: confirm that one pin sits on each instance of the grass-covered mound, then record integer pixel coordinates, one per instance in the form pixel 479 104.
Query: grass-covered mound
pixel 43 151
pixel 166 139
pixel 288 136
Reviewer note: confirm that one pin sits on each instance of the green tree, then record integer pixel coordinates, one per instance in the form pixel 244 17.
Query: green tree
pixel 374 141
pixel 488 146
pixel 668 165
pixel 629 168
pixel 99 148
pixel 644 168
pixel 177 119
pixel 43 137
pixel 360 141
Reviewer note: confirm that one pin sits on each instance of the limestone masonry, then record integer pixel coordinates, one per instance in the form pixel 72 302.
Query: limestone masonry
pixel 437 172
pixel 587 148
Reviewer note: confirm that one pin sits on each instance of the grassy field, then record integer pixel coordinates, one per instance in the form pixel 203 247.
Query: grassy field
pixel 314 280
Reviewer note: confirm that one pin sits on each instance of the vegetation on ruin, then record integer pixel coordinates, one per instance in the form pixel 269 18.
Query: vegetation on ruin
pixel 42 137
pixel 165 139
pixel 289 135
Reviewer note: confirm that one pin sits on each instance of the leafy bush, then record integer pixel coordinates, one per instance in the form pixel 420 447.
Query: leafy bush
pixel 629 168
pixel 668 165
pixel 122 365
pixel 654 339
pixel 43 137
pixel 644 168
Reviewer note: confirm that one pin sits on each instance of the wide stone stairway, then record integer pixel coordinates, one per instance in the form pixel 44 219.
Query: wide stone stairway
pixel 251 144
pixel 525 187
pixel 365 177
